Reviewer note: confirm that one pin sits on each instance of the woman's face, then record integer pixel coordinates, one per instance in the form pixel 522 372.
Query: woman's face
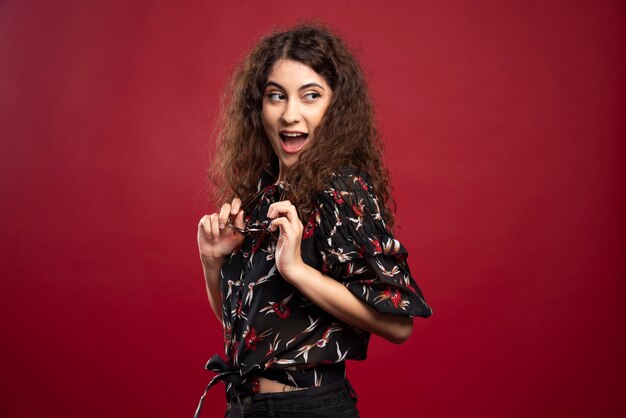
pixel 294 102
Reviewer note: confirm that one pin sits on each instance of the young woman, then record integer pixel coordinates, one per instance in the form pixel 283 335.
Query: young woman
pixel 300 262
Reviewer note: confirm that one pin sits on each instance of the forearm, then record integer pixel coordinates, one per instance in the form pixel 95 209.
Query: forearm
pixel 335 298
pixel 211 269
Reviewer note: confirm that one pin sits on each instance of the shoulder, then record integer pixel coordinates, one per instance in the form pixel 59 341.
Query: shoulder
pixel 350 206
pixel 350 223
pixel 346 183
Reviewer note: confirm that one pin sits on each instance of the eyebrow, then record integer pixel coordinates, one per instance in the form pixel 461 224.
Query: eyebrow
pixel 306 86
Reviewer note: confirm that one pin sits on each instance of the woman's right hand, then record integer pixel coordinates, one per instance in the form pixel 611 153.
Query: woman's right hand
pixel 216 239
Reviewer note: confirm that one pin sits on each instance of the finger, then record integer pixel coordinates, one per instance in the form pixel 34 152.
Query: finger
pixel 215 226
pixel 288 210
pixel 202 225
pixel 239 220
pixel 235 206
pixel 283 224
pixel 278 208
pixel 285 227
pixel 224 213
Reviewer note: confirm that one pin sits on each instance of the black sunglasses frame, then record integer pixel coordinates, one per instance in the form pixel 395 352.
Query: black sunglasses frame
pixel 259 231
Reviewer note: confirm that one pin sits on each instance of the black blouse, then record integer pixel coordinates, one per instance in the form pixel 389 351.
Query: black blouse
pixel 270 328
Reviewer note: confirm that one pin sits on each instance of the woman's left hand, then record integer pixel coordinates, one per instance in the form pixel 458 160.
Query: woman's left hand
pixel 288 255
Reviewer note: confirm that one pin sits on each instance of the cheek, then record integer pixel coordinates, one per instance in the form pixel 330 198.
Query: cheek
pixel 317 117
pixel 267 118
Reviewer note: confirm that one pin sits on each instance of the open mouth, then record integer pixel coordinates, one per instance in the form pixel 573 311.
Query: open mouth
pixel 293 141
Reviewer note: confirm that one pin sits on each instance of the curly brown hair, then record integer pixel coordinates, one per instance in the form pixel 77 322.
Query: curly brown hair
pixel 347 135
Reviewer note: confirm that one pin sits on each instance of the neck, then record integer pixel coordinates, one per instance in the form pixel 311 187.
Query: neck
pixel 281 172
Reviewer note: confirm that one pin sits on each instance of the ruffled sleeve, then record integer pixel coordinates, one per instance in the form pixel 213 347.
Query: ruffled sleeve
pixel 358 249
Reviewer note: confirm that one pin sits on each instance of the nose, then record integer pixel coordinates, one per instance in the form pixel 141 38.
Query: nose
pixel 291 112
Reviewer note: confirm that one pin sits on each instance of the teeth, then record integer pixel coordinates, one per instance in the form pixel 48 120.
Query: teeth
pixel 292 135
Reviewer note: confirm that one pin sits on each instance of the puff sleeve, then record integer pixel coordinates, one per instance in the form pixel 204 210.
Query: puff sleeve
pixel 358 248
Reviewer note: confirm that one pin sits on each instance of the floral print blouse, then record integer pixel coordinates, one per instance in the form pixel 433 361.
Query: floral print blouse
pixel 270 328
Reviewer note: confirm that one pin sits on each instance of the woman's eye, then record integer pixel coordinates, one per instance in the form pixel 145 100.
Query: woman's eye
pixel 275 96
pixel 312 95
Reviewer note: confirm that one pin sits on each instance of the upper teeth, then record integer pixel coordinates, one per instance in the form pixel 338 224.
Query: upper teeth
pixel 291 134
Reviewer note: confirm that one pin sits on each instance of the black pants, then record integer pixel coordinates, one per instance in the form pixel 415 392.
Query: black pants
pixel 337 400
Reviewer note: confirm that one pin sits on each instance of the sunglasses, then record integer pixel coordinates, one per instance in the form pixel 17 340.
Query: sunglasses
pixel 260 230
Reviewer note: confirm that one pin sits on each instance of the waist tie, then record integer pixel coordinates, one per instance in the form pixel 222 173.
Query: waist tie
pixel 234 377
pixel 224 373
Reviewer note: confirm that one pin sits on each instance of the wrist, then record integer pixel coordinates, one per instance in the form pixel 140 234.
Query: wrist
pixel 211 263
pixel 295 272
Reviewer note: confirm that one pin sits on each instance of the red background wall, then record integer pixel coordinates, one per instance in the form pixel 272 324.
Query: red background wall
pixel 505 129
